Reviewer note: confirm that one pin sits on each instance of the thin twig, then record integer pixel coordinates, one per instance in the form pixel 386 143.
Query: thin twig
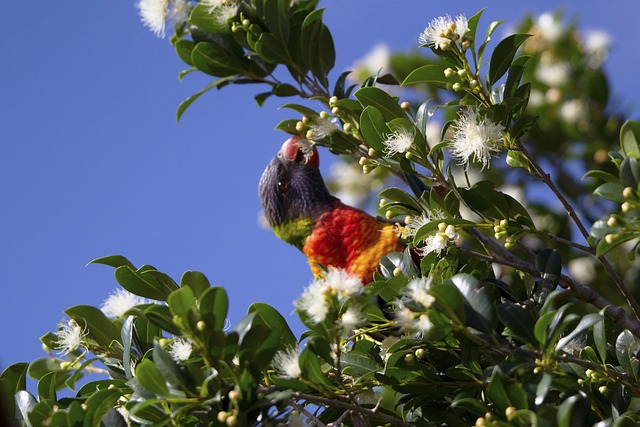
pixel 546 179
pixel 306 413
pixel 582 292
pixel 566 242
pixel 345 405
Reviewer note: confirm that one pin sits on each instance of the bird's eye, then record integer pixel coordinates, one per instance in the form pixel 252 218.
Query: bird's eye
pixel 283 185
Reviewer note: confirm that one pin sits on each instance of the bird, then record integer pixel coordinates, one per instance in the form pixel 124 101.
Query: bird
pixel 299 208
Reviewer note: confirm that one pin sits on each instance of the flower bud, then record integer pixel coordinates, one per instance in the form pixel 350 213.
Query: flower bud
pixel 408 155
pixel 363 161
pixel 626 207
pixel 463 73
pixel 405 105
pixel 372 152
pixel 324 114
pixel 420 353
pixel 347 127
pixel 335 110
pixel 610 238
pixel 222 416
pixel 510 411
pixel 309 134
pixel 305 120
pixel 299 126
pixel 409 358
pixel 234 395
pixel 602 389
pixel 449 72
pixel 457 86
pixel 388 214
pixel 612 221
pixel 333 100
pixel 246 22
pixel 627 193
pixel 397 272
pixel 201 325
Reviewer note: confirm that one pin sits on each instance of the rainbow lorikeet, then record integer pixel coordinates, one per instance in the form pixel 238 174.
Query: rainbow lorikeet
pixel 302 212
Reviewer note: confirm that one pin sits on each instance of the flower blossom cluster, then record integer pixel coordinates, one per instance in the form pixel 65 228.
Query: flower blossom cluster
pixel 156 13
pixel 119 302
pixel 327 294
pixel 417 321
pixel 445 30
pixel 475 137
pixel 70 337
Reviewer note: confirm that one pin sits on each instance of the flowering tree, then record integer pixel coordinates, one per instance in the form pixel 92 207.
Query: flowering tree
pixel 487 317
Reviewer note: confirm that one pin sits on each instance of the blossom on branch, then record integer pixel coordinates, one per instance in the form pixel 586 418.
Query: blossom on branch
pixel 475 136
pixel 443 30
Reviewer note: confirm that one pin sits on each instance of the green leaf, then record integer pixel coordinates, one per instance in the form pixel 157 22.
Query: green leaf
pixel 113 261
pixel 149 412
pixel 385 103
pixel 169 369
pixel 12 380
pixel 516 159
pixel 181 302
pixel 611 191
pixel 602 175
pixel 629 138
pixel 215 301
pixel 400 196
pixel 312 371
pixel 626 345
pixel 519 322
pixel 431 73
pixel 605 246
pixel 586 322
pixel 195 280
pixel 515 75
pixel 99 404
pixel 503 56
pixel 273 320
pixel 504 392
pixel 99 327
pixel 151 378
pixel 219 57
pixel 144 285
pixel 374 129
pixel 209 20
pixel 600 338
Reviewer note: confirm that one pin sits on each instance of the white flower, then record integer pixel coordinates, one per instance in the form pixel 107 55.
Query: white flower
pixel 422 324
pixel 404 317
pixel 597 44
pixel 320 128
pixel 119 301
pixel 155 13
pixel 474 136
pixel 313 302
pixel 351 318
pixel 180 349
pixel 286 363
pixel 180 12
pixel 70 337
pixel 435 243
pixel 418 290
pixel 551 72
pixel 344 283
pixel 573 111
pixel 550 27
pixel 415 223
pixel 440 31
pixel 400 141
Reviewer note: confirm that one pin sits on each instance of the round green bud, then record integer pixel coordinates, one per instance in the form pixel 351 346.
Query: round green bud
pixel 363 161
pixel 612 221
pixel 405 105
pixel 408 155
pixel 234 395
pixel 457 86
pixel 449 72
pixel 409 358
pixel 299 126
pixel 309 134
pixel 420 353
pixel 463 73
pixel 232 420
pixel 626 207
pixel 397 272
pixel 333 100
pixel 480 422
pixel 347 127
pixel 222 416
pixel 388 214
pixel 324 114
pixel 201 325
pixel 602 389
pixel 372 152
pixel 510 411
pixel 504 222
pixel 335 110
pixel 627 193
pixel 382 203
pixel 305 120
pixel 246 22
pixel 610 238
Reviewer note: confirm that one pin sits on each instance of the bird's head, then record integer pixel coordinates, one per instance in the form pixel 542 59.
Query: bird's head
pixel 292 191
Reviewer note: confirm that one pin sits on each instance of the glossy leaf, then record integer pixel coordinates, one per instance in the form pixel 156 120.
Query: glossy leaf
pixel 431 73
pixel 519 322
pixel 630 138
pixel 374 129
pixel 96 324
pixel 151 378
pixel 503 56
pixel 385 103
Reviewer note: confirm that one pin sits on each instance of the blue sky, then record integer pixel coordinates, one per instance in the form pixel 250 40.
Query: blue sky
pixel 93 162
